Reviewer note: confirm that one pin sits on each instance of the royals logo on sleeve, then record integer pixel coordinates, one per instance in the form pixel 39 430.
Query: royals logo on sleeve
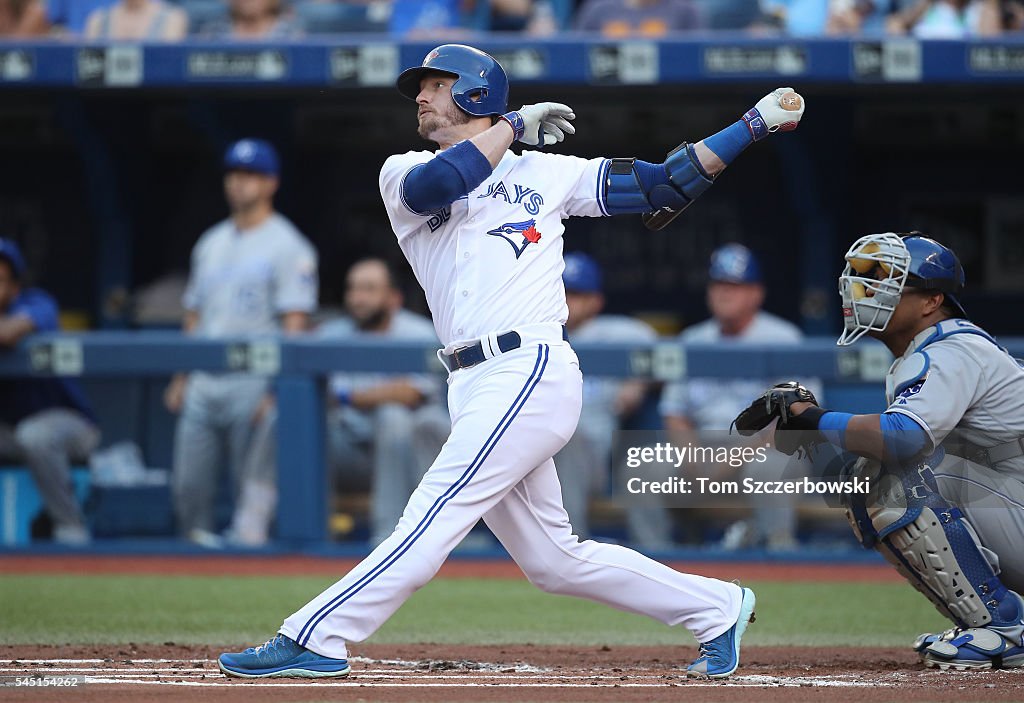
pixel 518 234
pixel 909 392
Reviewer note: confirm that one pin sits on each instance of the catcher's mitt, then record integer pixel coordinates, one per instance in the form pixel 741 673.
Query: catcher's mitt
pixel 773 403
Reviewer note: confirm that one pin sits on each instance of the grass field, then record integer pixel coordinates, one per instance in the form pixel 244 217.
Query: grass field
pixel 112 609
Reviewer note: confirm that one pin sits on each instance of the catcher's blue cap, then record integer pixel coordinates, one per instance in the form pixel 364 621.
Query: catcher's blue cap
pixel 734 263
pixel 582 274
pixel 10 252
pixel 255 155
pixel 935 267
pixel 481 88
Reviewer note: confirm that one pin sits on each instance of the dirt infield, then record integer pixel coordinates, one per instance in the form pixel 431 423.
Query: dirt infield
pixel 499 673
pixel 216 565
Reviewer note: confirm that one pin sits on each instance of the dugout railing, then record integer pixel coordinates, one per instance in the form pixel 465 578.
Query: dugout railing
pixel 852 378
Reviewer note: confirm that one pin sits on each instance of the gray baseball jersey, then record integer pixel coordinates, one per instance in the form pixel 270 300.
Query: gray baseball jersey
pixel 712 403
pixel 405 326
pixel 955 376
pixel 599 392
pixel 240 283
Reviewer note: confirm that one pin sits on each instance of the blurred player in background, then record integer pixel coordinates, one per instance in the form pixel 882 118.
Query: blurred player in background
pixel 735 295
pixel 584 463
pixel 47 422
pixel 253 274
pixel 386 427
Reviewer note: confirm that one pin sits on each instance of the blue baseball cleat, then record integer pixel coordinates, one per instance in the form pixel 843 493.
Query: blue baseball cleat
pixel 974 648
pixel 281 657
pixel 720 657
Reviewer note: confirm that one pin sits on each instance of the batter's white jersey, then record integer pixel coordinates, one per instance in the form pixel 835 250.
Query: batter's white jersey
pixel 492 261
pixel 241 282
pixel 712 403
pixel 955 376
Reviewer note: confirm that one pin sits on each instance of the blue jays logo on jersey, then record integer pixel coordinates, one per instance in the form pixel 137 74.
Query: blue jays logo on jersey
pixel 518 234
pixel 530 199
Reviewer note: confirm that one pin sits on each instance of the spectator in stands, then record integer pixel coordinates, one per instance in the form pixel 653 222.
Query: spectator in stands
pixel 46 422
pixel 649 18
pixel 799 18
pixel 535 17
pixel 421 19
pixel 861 16
pixel 252 274
pixel 142 20
pixel 584 463
pixel 22 18
pixel 734 296
pixel 62 16
pixel 949 19
pixel 250 20
pixel 388 428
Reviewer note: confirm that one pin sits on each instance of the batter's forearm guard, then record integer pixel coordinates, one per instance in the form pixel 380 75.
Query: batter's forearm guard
pixel 687 181
pixel 632 186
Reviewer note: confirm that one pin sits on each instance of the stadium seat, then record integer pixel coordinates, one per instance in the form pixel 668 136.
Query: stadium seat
pixel 339 18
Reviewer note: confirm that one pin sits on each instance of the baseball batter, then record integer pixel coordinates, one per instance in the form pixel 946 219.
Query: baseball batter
pixel 481 227
pixel 945 460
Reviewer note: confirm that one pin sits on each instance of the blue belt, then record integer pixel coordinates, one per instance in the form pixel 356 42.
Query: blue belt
pixel 464 357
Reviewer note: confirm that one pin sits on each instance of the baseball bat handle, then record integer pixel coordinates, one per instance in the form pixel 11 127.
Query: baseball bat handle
pixel 659 219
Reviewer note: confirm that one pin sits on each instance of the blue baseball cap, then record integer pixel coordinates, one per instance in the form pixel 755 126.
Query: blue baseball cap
pixel 734 263
pixel 256 155
pixel 582 274
pixel 10 252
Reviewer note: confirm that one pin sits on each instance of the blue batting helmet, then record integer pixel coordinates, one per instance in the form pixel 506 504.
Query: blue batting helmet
pixel 734 263
pixel 481 88
pixel 935 267
pixel 582 274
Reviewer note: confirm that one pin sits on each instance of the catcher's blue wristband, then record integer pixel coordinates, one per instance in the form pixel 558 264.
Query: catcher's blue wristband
pixel 832 426
pixel 343 397
pixel 515 121
pixel 756 124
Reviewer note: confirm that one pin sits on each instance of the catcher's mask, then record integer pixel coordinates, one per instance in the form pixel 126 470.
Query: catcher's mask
pixel 880 266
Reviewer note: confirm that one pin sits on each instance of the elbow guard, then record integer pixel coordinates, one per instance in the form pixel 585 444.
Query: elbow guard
pixel 670 187
pixel 687 181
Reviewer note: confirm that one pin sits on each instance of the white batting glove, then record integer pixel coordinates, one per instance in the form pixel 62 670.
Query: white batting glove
pixel 779 111
pixel 542 124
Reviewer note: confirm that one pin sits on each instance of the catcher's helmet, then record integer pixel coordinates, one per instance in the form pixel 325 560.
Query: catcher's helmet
pixel 880 266
pixel 479 76
pixel 935 267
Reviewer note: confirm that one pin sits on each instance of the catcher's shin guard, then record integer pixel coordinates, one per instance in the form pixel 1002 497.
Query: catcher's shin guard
pixel 932 546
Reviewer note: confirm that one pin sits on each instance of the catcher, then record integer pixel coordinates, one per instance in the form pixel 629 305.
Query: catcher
pixel 945 460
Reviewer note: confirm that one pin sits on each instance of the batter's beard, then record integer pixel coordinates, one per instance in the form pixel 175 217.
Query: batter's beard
pixel 434 123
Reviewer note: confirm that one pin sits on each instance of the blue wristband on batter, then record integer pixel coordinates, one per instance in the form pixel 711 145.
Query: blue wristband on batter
pixel 516 122
pixel 728 143
pixel 832 426
pixel 756 124
pixel 343 397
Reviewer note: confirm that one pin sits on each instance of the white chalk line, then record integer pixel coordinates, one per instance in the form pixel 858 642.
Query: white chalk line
pixel 114 673
pixel 737 682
